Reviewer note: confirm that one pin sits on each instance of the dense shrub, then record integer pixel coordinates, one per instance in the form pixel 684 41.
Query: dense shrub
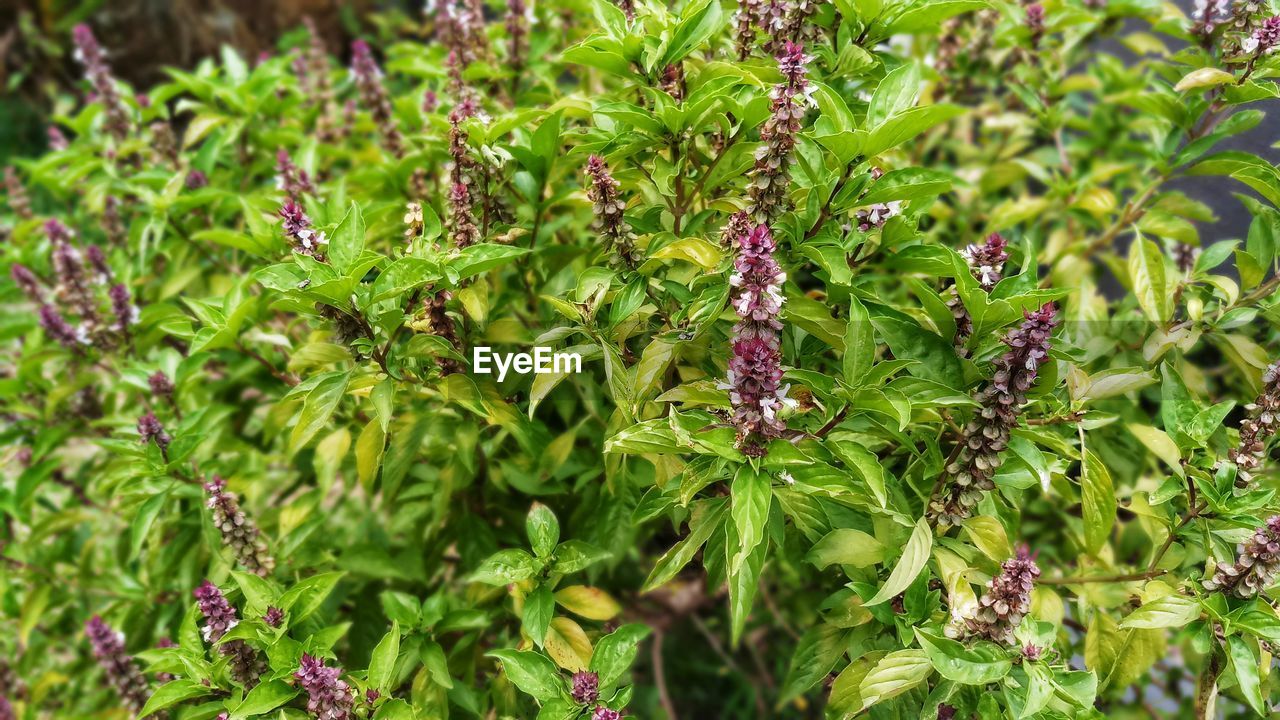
pixel 910 384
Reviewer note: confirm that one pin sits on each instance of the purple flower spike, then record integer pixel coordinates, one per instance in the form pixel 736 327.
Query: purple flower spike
pixel 152 431
pixel 219 617
pixel 121 671
pixel 586 688
pixel 290 178
pixel 329 697
pixel 123 308
pixel 297 228
pixel 57 327
pixel 368 79
pixel 90 55
pixel 755 368
pixel 986 263
pixel 27 282
pixel 273 617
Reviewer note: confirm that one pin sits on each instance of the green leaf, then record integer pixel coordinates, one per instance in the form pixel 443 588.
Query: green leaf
pixel 308 595
pixel 1040 689
pixel 1165 612
pixel 1099 502
pixel 865 463
pixel 1160 444
pixel 534 674
pixel 707 516
pixel 505 567
pixel 744 583
pixel 1244 665
pixel 859 344
pixel 575 555
pixel 172 693
pixel 929 16
pixel 913 559
pixel 846 546
pixel 264 698
pixel 751 495
pixel 369 449
pixel 906 125
pixel 816 653
pixel 382 663
pixel 895 674
pixel 395 709
pixel 543 530
pixel 1147 274
pixel 318 406
pixel 143 520
pixel 936 355
pixel 698 22
pixel 482 257
pixel 1202 78
pixel 347 241
pixel 907 184
pixel 895 93
pixel 616 651
pixel 984 663
pixel 539 608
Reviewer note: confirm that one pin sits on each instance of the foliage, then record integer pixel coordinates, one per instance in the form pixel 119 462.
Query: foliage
pixel 909 385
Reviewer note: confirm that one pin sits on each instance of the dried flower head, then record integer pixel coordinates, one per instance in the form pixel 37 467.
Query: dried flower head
pixel 986 436
pixel 1007 600
pixel 1262 424
pixel 767 196
pixel 328 696
pixel 16 192
pixel 164 143
pixel 749 17
pixel 440 324
pixel 1256 565
pixel 112 223
pixel 237 530
pixel 608 206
